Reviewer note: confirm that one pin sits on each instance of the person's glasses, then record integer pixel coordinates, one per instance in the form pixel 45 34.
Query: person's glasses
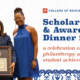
pixel 17 18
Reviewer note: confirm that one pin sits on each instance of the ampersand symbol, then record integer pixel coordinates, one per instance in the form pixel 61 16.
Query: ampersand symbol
pixel 46 30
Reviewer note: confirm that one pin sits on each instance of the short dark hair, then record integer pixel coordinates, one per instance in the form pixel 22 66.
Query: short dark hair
pixel 2 29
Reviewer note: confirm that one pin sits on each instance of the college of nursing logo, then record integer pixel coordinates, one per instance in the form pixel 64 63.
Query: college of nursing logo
pixel 45 10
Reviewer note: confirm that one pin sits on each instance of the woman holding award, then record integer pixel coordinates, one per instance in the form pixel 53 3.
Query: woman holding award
pixel 26 47
pixel 6 41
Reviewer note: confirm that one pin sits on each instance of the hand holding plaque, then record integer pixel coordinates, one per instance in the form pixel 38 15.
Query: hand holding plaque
pixel 12 66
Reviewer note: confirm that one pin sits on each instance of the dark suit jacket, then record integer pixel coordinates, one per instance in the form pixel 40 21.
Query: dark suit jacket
pixel 6 41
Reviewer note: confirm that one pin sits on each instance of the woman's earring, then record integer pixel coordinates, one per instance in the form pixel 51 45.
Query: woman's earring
pixel 15 26
pixel 24 24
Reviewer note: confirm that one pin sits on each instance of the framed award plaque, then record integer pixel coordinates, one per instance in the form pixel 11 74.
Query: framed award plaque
pixel 5 61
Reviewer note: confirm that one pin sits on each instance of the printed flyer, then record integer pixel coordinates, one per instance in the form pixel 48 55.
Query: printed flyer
pixel 57 23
